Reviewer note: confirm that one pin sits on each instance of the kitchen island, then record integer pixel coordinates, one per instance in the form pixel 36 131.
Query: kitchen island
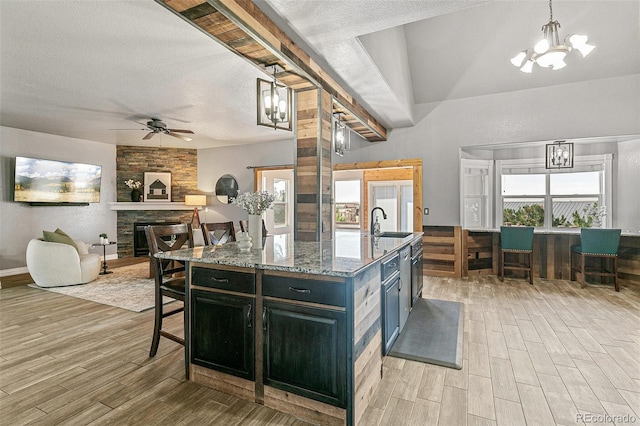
pixel 296 326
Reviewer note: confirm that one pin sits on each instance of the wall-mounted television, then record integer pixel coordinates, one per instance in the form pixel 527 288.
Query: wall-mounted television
pixel 40 181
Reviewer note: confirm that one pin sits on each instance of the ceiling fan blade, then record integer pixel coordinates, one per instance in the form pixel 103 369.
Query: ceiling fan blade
pixel 127 129
pixel 148 136
pixel 180 131
pixel 184 138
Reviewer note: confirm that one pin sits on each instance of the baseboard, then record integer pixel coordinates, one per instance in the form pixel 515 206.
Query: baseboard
pixel 13 271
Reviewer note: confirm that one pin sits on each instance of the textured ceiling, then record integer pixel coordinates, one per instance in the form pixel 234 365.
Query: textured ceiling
pixel 80 69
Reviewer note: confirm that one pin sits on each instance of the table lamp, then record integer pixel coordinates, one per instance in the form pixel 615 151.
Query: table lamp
pixel 196 201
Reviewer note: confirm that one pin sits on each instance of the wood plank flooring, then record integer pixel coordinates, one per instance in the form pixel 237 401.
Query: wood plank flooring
pixel 551 353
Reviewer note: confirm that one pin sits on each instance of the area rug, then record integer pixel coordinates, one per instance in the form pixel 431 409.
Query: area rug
pixel 128 287
pixel 433 334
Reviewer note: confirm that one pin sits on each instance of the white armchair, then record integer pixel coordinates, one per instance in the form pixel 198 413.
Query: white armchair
pixel 58 264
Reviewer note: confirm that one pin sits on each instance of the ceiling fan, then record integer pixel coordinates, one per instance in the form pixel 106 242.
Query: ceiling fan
pixel 155 125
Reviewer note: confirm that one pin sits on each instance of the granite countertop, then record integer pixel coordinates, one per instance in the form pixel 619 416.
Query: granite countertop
pixel 554 231
pixel 344 256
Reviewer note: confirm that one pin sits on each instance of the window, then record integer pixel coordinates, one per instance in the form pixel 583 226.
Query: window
pixel 476 176
pixel 532 196
pixel 280 206
pixel 521 201
pixel 347 203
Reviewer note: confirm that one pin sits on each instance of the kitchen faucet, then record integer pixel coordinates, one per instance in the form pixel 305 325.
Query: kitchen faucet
pixel 375 226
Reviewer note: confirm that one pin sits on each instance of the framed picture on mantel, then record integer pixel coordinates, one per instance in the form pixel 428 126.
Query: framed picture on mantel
pixel 157 187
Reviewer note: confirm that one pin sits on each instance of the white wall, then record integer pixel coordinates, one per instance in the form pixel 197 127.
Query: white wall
pixel 233 160
pixel 595 108
pixel 19 222
pixel 627 214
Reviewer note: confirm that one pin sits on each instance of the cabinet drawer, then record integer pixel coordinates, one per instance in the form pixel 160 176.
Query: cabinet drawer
pixel 390 266
pixel 225 280
pixel 314 291
pixel 416 247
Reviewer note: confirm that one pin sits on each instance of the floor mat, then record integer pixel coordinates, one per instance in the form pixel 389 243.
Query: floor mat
pixel 433 334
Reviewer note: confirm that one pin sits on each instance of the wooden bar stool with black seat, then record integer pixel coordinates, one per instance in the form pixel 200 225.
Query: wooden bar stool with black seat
pixel 519 240
pixel 216 233
pixel 596 244
pixel 163 238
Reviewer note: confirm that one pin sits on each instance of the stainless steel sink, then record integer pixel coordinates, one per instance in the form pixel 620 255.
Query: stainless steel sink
pixel 394 234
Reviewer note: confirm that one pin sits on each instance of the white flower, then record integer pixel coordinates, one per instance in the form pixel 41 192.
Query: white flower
pixel 133 184
pixel 254 202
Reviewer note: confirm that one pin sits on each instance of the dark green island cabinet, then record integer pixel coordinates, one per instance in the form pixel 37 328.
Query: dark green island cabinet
pixel 285 336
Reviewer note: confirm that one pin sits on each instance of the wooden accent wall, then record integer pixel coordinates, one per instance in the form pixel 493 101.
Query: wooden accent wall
pixel 313 166
pixel 478 253
pixel 442 251
pixel 367 335
pixel 377 175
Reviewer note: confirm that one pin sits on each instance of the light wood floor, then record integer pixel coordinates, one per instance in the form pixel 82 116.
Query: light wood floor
pixel 533 355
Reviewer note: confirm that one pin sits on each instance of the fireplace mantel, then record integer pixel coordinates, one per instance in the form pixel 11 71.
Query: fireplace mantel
pixel 149 206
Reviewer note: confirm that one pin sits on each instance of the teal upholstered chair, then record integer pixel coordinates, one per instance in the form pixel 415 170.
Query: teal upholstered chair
pixel 518 240
pixel 598 244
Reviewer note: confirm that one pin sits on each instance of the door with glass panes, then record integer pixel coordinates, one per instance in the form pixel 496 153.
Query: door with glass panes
pixel 396 199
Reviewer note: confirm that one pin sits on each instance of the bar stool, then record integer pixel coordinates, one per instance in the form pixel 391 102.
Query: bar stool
pixel 519 240
pixel 600 244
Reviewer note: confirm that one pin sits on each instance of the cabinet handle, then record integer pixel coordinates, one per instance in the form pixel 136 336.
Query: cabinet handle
pixel 264 318
pixel 300 290
pixel 399 284
pixel 249 322
pixel 220 280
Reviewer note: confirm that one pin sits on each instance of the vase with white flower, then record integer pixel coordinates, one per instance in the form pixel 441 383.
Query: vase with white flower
pixel 255 204
pixel 134 186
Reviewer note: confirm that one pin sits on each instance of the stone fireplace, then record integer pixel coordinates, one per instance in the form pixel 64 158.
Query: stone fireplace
pixel 140 245
pixel 131 163
pixel 131 238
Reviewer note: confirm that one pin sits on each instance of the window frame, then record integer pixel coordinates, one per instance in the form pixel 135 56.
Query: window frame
pixel 590 163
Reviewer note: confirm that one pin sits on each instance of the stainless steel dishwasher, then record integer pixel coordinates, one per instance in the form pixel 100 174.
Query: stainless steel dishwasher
pixel 405 285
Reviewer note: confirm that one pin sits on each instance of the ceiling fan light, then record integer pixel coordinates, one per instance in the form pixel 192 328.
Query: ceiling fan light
pixel 559 65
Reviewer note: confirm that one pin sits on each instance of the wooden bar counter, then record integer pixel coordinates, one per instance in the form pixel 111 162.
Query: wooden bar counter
pixel 295 326
pixel 551 250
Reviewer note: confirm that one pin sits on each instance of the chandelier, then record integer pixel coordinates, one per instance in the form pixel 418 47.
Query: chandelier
pixel 548 52
pixel 559 155
pixel 274 103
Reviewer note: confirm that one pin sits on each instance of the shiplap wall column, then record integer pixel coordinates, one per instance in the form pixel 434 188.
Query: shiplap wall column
pixel 313 165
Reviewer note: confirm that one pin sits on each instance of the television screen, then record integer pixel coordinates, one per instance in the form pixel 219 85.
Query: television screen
pixel 48 181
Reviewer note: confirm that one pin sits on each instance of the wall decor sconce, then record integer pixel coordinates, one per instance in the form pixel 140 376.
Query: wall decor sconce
pixel 341 136
pixel 559 155
pixel 274 103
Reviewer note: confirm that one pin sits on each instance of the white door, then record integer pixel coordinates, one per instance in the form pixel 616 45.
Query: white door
pixel 279 218
pixel 396 199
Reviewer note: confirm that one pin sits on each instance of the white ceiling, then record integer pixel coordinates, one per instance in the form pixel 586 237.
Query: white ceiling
pixel 82 68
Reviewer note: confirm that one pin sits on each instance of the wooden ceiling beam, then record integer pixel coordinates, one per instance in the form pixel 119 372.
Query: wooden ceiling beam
pixel 244 29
